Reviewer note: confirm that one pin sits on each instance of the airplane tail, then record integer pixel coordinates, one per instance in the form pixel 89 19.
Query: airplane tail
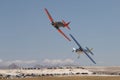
pixel 90 50
pixel 66 24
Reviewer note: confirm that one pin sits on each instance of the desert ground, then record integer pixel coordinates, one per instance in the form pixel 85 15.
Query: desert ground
pixel 71 78
pixel 62 73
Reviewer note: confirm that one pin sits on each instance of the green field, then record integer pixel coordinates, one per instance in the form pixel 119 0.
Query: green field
pixel 72 78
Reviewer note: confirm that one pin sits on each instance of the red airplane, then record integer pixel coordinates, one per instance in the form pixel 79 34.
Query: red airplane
pixel 59 24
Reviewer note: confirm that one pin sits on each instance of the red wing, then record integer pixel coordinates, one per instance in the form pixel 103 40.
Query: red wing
pixel 49 16
pixel 63 34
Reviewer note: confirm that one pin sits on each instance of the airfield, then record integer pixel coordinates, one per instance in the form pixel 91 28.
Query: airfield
pixel 62 73
pixel 71 78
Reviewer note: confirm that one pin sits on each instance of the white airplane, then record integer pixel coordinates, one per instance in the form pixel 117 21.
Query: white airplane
pixel 82 50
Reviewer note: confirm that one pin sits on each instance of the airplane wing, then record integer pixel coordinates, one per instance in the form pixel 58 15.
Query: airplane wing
pixel 63 34
pixel 89 57
pixel 49 16
pixel 75 41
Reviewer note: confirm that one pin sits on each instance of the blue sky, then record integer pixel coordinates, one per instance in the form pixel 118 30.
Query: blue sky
pixel 26 33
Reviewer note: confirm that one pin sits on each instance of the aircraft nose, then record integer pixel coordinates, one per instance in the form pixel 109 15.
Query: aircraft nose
pixel 52 23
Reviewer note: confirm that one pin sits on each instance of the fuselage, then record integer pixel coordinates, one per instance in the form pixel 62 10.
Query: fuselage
pixel 57 24
pixel 80 51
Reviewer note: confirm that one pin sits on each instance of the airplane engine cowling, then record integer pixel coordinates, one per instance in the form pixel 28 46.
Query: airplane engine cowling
pixel 74 50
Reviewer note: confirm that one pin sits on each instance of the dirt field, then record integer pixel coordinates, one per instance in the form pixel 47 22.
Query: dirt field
pixel 72 78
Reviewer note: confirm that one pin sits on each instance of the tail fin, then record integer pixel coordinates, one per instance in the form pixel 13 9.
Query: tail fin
pixel 66 24
pixel 90 50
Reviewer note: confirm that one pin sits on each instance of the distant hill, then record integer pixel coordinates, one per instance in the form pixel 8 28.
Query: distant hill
pixel 13 66
pixel 39 66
